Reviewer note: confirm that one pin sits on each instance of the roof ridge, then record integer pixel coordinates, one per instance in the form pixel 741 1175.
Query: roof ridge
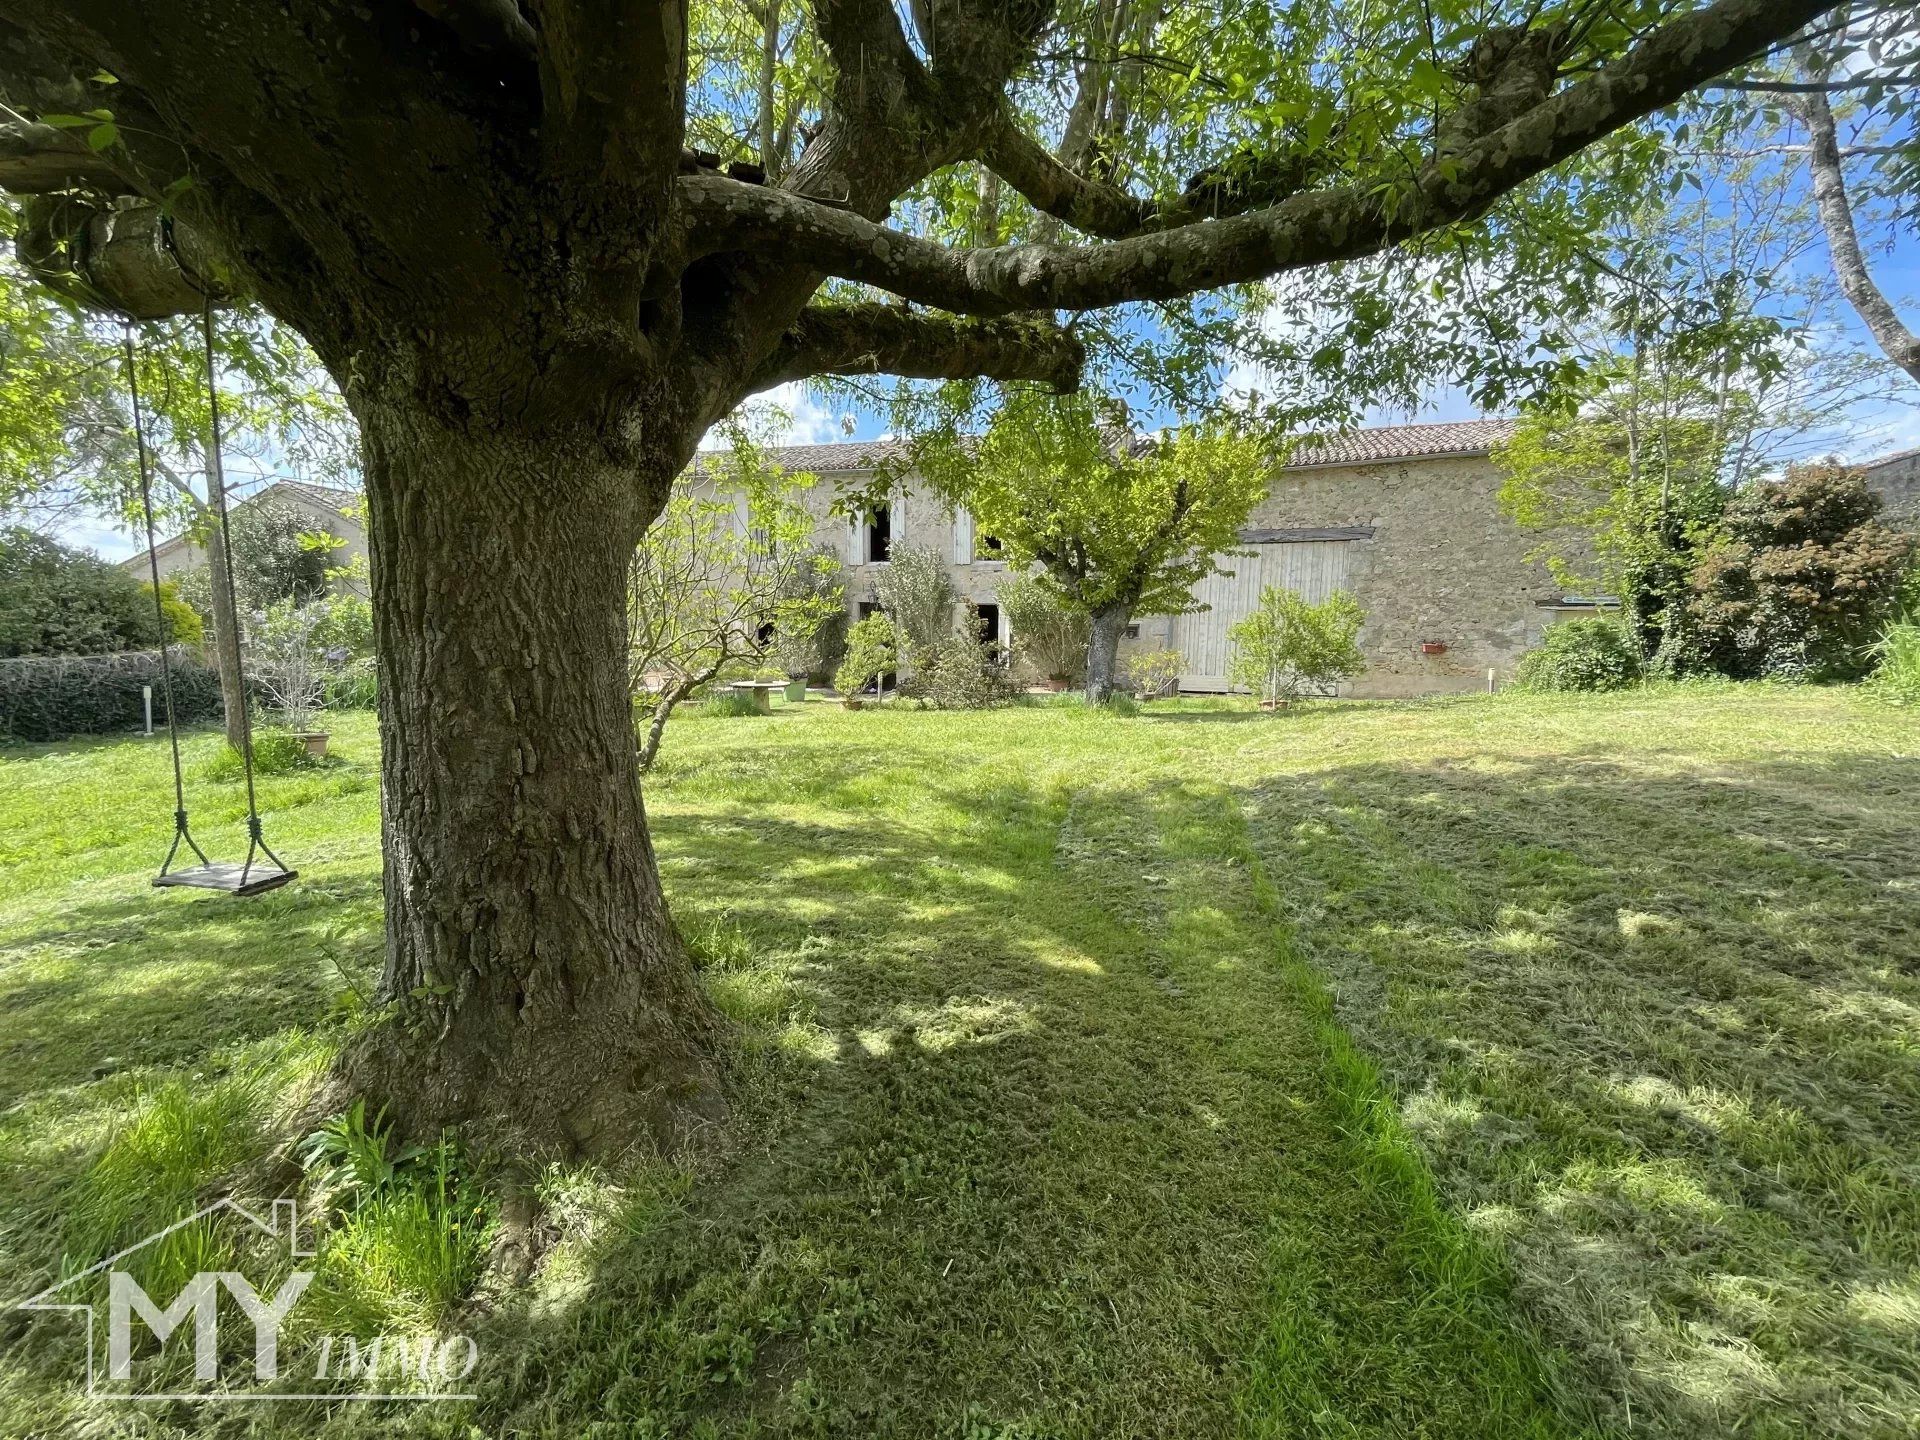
pixel 1358 446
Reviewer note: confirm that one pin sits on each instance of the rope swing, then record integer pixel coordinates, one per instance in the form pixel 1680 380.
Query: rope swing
pixel 262 870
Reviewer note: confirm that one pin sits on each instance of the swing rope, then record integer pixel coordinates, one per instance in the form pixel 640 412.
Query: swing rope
pixel 207 875
pixel 180 830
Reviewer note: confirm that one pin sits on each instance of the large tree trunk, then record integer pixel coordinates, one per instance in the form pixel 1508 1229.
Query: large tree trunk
pixel 1103 651
pixel 543 996
pixel 226 642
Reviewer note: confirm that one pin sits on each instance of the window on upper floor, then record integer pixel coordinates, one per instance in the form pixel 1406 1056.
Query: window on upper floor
pixel 879 535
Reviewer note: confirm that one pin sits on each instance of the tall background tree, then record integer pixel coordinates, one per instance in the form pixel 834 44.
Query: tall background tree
pixel 1843 101
pixel 486 221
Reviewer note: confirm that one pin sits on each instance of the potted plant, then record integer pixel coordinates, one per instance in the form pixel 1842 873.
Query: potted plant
pixel 769 676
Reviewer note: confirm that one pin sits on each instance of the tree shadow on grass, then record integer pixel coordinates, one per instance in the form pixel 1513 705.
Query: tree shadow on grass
pixel 1031 1132
pixel 1036 1138
pixel 1659 1034
pixel 156 979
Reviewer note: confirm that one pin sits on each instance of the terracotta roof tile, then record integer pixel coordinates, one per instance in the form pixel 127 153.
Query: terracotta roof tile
pixel 1356 447
pixel 1402 442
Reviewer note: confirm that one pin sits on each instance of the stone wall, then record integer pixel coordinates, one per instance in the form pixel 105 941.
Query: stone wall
pixel 1896 480
pixel 1444 567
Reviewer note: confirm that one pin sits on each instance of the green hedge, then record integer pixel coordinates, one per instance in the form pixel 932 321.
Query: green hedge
pixel 52 697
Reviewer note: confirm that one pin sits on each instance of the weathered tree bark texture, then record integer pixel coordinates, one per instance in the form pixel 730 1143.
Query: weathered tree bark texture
pixel 1103 651
pixel 526 927
pixel 1869 301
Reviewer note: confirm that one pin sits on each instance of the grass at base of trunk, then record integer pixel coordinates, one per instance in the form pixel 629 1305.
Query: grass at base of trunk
pixel 1188 1073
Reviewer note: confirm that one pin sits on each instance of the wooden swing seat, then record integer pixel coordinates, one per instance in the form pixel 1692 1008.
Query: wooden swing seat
pixel 229 878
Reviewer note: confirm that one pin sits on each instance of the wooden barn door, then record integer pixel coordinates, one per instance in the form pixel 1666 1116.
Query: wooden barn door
pixel 1314 568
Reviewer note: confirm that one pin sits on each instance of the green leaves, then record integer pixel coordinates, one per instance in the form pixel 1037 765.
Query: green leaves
pixel 102 131
pixel 1108 517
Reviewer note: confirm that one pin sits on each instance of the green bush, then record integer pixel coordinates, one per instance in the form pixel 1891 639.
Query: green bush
pixel 1287 646
pixel 873 648
pixel 1153 674
pixel 56 600
pixel 53 697
pixel 1804 581
pixel 1593 654
pixel 1896 677
pixel 960 674
pixel 275 752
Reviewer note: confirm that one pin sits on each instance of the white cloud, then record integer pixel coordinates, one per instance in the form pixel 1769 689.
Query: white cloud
pixel 788 415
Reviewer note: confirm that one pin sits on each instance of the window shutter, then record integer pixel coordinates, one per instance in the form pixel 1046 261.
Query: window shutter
pixel 962 536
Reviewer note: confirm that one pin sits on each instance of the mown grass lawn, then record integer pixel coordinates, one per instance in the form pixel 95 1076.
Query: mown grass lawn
pixel 1492 1067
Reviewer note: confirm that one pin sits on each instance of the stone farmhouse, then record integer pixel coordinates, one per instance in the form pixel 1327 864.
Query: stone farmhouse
pixel 1406 518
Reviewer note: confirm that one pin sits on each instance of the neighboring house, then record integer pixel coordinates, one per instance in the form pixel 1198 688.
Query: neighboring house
pixel 322 509
pixel 1406 518
pixel 1896 479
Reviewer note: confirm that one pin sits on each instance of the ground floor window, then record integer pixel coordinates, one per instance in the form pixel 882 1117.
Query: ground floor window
pixel 989 624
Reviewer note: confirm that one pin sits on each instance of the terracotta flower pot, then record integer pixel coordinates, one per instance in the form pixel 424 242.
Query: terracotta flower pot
pixel 315 741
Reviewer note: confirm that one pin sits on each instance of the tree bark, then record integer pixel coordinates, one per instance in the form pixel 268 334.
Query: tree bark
pixel 1103 651
pixel 543 996
pixel 226 634
pixel 1869 301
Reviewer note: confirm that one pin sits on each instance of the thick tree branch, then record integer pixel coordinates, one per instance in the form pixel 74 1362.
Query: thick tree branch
pixel 1843 241
pixel 892 340
pixel 1317 228
pixel 40 160
pixel 1821 87
pixel 1054 189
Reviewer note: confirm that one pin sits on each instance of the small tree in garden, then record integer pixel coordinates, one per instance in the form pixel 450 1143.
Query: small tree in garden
pixel 1116 526
pixel 1288 646
pixel 275 556
pixel 1804 580
pixel 289 663
pixel 709 588
pixel 917 594
pixel 1154 674
pixel 873 649
pixel 1049 636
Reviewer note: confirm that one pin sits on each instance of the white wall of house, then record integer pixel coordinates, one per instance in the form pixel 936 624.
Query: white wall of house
pixel 317 515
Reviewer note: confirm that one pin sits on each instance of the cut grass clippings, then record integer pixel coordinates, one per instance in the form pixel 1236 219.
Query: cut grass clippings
pixel 1516 1066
